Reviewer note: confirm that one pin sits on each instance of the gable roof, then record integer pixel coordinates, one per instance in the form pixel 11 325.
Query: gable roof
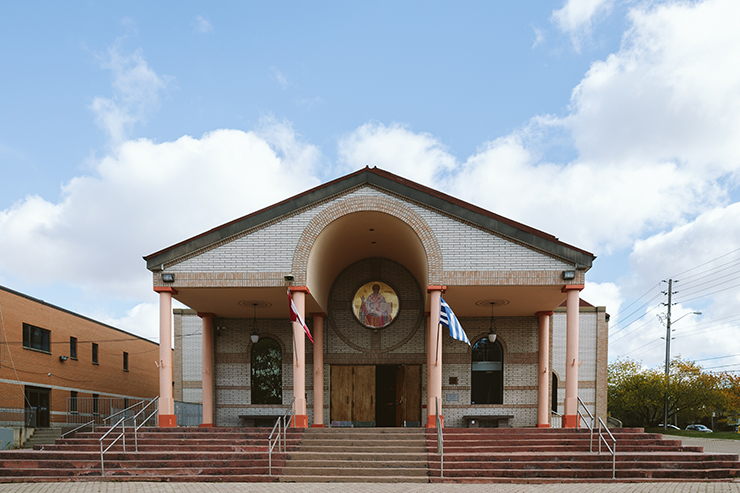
pixel 383 180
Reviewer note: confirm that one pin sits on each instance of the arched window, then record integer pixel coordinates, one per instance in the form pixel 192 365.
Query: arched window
pixel 487 382
pixel 267 372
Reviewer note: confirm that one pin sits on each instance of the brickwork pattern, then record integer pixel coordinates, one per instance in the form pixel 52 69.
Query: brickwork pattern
pixel 21 367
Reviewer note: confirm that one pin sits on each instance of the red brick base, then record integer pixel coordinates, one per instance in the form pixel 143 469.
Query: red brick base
pixel 168 421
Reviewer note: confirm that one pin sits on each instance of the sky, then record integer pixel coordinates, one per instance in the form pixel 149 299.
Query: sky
pixel 126 127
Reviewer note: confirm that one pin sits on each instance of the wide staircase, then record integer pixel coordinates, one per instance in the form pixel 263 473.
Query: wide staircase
pixel 368 455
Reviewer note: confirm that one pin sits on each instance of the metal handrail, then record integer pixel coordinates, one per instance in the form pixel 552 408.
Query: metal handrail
pixel 89 423
pixel 612 450
pixel 123 434
pixel 281 425
pixel 440 441
pixel 123 410
pixel 136 427
pixel 589 426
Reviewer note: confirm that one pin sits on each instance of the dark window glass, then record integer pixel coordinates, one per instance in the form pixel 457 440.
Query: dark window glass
pixel 73 401
pixel 73 347
pixel 487 368
pixel 554 392
pixel 96 404
pixel 267 372
pixel 125 361
pixel 95 353
pixel 36 338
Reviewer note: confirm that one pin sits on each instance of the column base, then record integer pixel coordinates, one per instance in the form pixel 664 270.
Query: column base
pixel 546 425
pixel 300 421
pixel 570 421
pixel 317 426
pixel 432 421
pixel 168 420
pixel 207 425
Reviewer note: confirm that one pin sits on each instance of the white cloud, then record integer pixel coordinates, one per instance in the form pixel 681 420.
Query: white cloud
pixel 279 77
pixel 146 196
pixel 416 156
pixel 142 320
pixel 606 294
pixel 576 17
pixel 202 25
pixel 136 89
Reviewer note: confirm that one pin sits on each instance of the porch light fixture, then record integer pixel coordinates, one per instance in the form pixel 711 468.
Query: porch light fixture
pixel 492 329
pixel 169 277
pixel 569 275
pixel 255 335
pixel 63 358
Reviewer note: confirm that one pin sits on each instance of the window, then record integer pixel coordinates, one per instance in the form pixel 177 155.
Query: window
pixel 73 347
pixel 554 392
pixel 267 372
pixel 96 404
pixel 36 338
pixel 95 353
pixel 73 401
pixel 125 361
pixel 487 373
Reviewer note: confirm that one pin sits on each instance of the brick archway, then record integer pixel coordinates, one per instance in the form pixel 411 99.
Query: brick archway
pixel 368 204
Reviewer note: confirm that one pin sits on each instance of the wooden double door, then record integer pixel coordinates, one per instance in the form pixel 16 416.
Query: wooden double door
pixel 376 395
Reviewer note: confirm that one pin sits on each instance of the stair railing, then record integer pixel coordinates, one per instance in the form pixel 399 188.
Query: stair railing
pixel 154 401
pixel 90 423
pixel 612 450
pixel 280 431
pixel 582 418
pixel 440 441
pixel 556 419
pixel 120 422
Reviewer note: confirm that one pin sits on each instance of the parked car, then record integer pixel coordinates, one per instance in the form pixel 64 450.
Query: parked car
pixel 670 427
pixel 699 428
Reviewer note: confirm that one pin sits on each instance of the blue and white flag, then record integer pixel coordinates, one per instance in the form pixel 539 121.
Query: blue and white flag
pixel 449 320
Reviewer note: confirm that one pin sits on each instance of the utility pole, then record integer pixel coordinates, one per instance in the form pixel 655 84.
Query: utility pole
pixel 667 354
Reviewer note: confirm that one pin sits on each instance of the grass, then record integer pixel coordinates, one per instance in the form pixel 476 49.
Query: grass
pixel 725 435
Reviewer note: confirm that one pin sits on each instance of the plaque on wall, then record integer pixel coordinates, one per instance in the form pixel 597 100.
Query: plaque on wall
pixel 375 305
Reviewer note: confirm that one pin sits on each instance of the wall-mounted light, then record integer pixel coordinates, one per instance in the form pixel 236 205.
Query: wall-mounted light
pixel 288 278
pixel 63 358
pixel 169 277
pixel 569 275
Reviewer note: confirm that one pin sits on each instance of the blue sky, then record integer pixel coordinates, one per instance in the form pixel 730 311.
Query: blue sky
pixel 611 124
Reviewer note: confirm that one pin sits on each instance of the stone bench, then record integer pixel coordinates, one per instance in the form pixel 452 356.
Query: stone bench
pixel 488 421
pixel 260 420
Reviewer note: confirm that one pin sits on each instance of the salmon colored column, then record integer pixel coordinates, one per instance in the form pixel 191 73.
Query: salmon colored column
pixel 318 369
pixel 299 358
pixel 167 417
pixel 570 413
pixel 434 358
pixel 543 378
pixel 207 370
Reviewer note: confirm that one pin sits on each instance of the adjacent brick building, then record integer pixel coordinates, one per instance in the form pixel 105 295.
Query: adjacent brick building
pixel 366 259
pixel 56 361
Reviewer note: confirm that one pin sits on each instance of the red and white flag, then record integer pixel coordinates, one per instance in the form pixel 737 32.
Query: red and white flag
pixel 296 317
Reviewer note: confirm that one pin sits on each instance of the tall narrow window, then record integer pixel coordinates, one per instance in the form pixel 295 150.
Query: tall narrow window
pixel 487 369
pixel 94 353
pixel 96 404
pixel 36 338
pixel 73 347
pixel 267 372
pixel 125 361
pixel 554 392
pixel 73 401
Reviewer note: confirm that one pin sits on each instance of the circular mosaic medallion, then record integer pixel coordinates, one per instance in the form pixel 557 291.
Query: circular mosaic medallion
pixel 375 305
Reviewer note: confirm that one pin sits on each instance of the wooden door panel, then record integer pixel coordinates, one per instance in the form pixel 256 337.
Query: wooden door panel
pixel 412 392
pixel 341 393
pixel 363 394
pixel 400 397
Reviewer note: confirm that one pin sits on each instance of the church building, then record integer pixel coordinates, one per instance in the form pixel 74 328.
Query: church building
pixel 369 261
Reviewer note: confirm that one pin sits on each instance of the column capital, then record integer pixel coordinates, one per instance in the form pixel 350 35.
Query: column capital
pixel 545 314
pixel 318 314
pixel 572 287
pixel 206 314
pixel 302 289
pixel 436 288
pixel 165 289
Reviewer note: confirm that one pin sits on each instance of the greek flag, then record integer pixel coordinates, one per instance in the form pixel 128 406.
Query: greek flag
pixel 449 320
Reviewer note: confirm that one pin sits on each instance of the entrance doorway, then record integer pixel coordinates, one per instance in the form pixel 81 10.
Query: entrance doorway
pixel 382 395
pixel 37 399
